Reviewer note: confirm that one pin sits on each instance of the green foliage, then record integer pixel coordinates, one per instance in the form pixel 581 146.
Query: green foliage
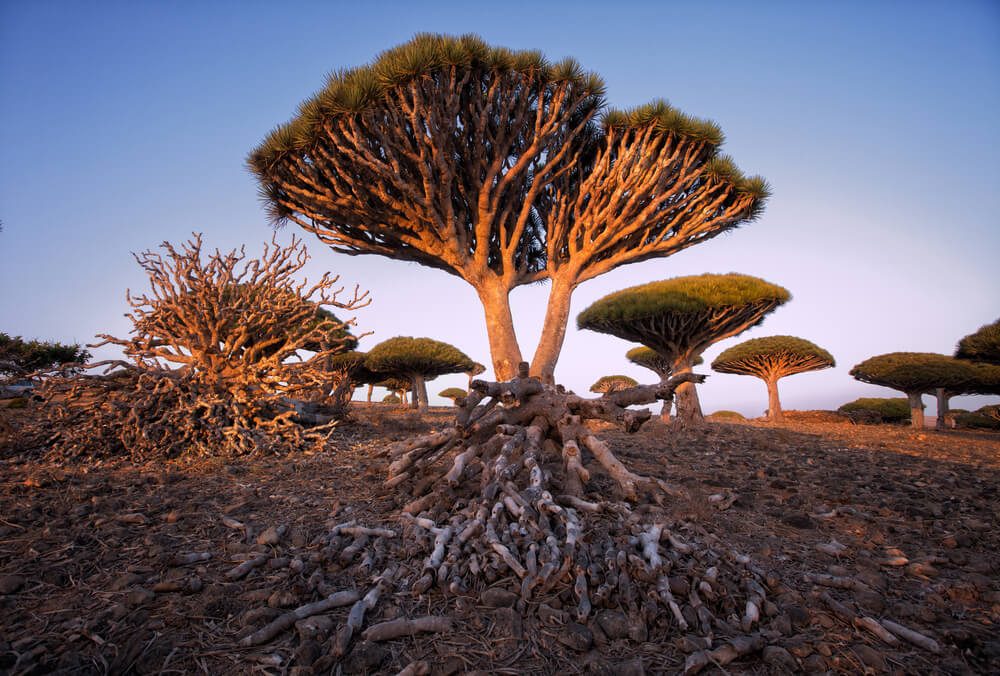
pixel 668 120
pixel 391 399
pixel 613 384
pixel 349 92
pixel 726 415
pixel 983 345
pixel 394 384
pixel 892 409
pixel 649 358
pixel 923 372
pixel 743 358
pixel 977 420
pixel 407 356
pixel 20 357
pixel 453 393
pixel 681 295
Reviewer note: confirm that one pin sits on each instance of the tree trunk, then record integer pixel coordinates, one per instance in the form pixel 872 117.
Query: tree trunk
pixel 543 365
pixel 688 407
pixel 504 350
pixel 942 409
pixel 371 388
pixel 665 411
pixel 916 410
pixel 774 413
pixel 419 393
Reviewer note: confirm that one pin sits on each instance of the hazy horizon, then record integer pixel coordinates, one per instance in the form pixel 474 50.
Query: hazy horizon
pixel 124 125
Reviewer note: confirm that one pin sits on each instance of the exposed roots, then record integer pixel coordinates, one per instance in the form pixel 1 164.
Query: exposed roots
pixel 516 504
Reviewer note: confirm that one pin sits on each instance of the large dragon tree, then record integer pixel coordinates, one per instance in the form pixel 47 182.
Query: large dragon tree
pixel 919 373
pixel 771 359
pixel 679 318
pixel 649 358
pixel 419 360
pixel 503 169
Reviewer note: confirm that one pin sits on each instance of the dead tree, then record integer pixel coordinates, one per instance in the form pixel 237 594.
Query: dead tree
pixel 679 318
pixel 771 359
pixel 503 169
pixel 222 354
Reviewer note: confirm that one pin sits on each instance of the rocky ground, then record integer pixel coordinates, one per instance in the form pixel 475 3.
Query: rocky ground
pixel 165 567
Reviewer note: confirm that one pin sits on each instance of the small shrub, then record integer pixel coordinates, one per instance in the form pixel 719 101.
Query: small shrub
pixel 978 420
pixel 726 416
pixel 874 410
pixel 391 399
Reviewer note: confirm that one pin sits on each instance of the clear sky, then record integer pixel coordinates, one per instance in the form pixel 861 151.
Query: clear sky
pixel 126 124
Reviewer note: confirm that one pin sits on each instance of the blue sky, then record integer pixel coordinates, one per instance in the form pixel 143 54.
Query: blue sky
pixel 126 124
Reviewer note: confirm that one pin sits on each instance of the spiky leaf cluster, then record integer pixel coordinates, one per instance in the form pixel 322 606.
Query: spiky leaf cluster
pixel 615 383
pixel 473 158
pixel 649 358
pixel 20 357
pixel 409 357
pixel 680 317
pixel 773 356
pixel 924 372
pixel 981 346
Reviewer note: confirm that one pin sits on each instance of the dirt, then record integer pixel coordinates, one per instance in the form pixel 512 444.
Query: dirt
pixel 112 567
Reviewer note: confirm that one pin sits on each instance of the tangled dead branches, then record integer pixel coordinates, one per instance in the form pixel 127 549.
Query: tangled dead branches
pixel 227 356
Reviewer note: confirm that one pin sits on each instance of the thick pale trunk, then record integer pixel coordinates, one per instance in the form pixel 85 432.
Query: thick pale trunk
pixel 371 388
pixel 665 411
pixel 688 407
pixel 916 410
pixel 419 393
pixel 543 365
pixel 504 350
pixel 942 409
pixel 774 413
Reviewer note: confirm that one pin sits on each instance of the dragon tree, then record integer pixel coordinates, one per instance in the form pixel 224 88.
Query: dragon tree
pixel 501 168
pixel 771 359
pixel 418 359
pixel 919 373
pixel 650 359
pixel 615 383
pixel 679 318
pixel 981 346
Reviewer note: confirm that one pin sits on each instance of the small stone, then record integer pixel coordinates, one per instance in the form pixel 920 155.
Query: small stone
pixel 691 643
pixel 125 581
pixel 800 649
pixel 814 664
pixel 782 624
pixel 778 657
pixel 798 615
pixel 826 621
pixel 10 583
pixel 870 657
pixel 803 521
pixel 870 601
pixel 172 516
pixel 615 624
pixel 271 536
pixel 365 657
pixel 316 627
pixel 576 637
pixel 140 597
pixel 307 653
pixel 824 649
pixel 498 598
pixel 678 585
pixel 550 615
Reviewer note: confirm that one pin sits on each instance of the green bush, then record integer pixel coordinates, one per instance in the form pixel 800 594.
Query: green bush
pixel 615 383
pixel 977 420
pixel 877 409
pixel 391 399
pixel 726 415
pixel 453 393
